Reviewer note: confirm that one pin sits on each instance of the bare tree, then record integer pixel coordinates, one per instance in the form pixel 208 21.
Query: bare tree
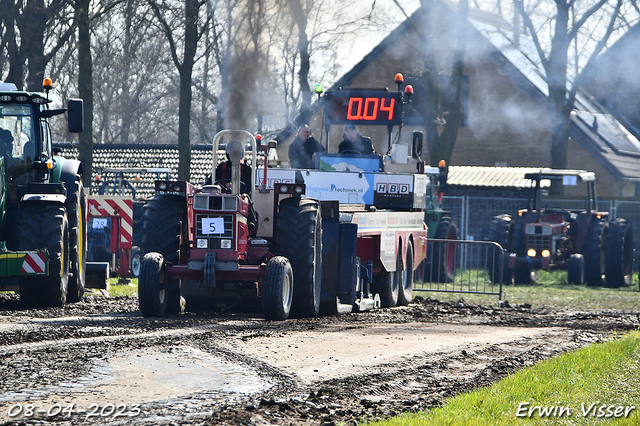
pixel 183 29
pixel 588 27
pixel 35 31
pixel 300 16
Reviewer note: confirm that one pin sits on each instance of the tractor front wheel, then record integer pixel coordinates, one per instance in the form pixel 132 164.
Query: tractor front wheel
pixel 152 290
pixel 575 269
pixel 77 242
pixel 277 289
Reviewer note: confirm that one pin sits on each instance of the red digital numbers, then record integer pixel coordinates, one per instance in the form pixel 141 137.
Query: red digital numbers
pixel 368 108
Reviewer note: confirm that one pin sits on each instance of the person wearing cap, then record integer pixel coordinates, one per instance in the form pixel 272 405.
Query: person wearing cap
pixel 303 149
pixel 354 142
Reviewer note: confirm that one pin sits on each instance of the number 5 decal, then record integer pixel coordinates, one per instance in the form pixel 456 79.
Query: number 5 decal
pixel 213 225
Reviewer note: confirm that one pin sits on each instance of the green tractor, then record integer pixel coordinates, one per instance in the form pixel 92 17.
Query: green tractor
pixel 42 203
pixel 440 263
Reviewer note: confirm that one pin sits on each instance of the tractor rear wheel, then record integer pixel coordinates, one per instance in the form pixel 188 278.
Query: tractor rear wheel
pixel 618 256
pixel 45 227
pixel 299 239
pixel 277 289
pixel 161 228
pixel 152 292
pixel 593 252
pixel 440 264
pixel 405 288
pixel 500 231
pixel 77 241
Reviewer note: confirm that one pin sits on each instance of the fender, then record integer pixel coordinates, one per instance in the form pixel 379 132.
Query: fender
pixel 66 171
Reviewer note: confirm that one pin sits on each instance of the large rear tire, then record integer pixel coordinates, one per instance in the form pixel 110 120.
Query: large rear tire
pixel 161 228
pixel 440 264
pixel 405 289
pixel 618 251
pixel 299 239
pixel 593 252
pixel 45 226
pixel 500 231
pixel 153 295
pixel 77 241
pixel 277 289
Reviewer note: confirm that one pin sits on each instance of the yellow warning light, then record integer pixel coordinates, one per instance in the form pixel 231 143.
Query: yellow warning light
pixel 47 84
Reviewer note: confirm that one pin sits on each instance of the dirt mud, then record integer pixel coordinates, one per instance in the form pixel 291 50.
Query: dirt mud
pixel 100 362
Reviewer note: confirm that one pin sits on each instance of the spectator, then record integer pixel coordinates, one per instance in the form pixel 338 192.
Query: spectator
pixel 303 149
pixel 354 142
pixel 6 142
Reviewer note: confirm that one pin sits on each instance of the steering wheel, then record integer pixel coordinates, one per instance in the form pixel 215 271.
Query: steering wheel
pixel 222 184
pixel 350 151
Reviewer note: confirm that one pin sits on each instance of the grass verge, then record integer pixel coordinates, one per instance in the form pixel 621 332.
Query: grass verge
pixel 585 387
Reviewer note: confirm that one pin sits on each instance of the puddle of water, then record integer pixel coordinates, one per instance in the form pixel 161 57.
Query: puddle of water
pixel 184 369
pixel 149 375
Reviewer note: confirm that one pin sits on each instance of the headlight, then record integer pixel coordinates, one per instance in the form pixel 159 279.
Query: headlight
pixel 225 244
pixel 546 253
pixel 531 253
pixel 162 186
pixel 298 189
pixel 201 243
pixel 284 188
pixel 177 187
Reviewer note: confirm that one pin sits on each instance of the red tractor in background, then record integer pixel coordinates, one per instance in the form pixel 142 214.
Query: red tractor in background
pixel 593 248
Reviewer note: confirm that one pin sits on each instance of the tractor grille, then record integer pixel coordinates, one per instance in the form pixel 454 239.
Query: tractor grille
pixel 539 242
pixel 213 240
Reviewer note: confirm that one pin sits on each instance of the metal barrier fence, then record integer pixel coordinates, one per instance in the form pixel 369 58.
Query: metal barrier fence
pixel 458 266
pixel 476 265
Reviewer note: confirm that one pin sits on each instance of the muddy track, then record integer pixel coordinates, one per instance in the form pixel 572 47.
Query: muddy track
pixel 234 368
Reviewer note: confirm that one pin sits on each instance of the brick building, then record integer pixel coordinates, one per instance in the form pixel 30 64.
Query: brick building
pixel 505 104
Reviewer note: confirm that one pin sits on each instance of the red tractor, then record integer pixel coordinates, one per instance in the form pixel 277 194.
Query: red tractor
pixel 591 247
pixel 294 254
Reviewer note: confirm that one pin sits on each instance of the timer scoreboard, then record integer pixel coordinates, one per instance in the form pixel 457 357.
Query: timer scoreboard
pixel 363 107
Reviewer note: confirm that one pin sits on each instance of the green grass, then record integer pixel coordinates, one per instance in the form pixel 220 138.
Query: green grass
pixel 604 374
pixel 125 288
pixel 550 291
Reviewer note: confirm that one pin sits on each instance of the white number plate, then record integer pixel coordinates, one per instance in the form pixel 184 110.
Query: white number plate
pixel 213 225
pixel 99 223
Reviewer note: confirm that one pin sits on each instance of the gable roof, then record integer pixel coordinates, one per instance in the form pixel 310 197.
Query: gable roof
pixel 592 126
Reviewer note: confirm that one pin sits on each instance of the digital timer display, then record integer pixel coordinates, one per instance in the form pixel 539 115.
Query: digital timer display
pixel 363 107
